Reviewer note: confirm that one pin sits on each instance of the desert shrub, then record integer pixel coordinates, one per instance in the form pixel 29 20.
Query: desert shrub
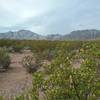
pixel 46 55
pixel 1 98
pixel 31 64
pixel 19 98
pixel 67 83
pixel 10 49
pixel 49 54
pixel 17 48
pixel 4 59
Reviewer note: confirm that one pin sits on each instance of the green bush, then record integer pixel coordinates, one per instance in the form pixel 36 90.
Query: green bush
pixel 64 82
pixel 17 48
pixel 4 59
pixel 1 98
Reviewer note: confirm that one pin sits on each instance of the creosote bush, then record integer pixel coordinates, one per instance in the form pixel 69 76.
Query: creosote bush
pixel 17 48
pixel 4 59
pixel 63 82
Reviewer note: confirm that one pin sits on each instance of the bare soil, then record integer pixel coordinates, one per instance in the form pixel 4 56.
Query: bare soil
pixel 16 80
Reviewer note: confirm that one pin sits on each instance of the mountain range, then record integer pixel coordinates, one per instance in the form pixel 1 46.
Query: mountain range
pixel 74 35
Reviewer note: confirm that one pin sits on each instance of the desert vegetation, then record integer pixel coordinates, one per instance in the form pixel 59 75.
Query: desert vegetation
pixel 4 59
pixel 60 70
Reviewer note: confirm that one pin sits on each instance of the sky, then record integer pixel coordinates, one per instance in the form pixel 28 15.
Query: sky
pixel 49 16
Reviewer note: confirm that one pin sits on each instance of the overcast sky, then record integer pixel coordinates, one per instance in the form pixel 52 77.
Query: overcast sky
pixel 49 16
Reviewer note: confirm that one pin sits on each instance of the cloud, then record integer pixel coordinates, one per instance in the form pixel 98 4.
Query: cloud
pixel 49 16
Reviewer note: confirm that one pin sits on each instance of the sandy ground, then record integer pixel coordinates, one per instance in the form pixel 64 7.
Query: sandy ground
pixel 16 80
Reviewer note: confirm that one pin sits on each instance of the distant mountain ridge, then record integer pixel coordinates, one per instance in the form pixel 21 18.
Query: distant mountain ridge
pixel 74 35
pixel 21 34
pixel 83 35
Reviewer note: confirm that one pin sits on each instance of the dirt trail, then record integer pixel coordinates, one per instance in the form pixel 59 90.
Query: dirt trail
pixel 16 80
